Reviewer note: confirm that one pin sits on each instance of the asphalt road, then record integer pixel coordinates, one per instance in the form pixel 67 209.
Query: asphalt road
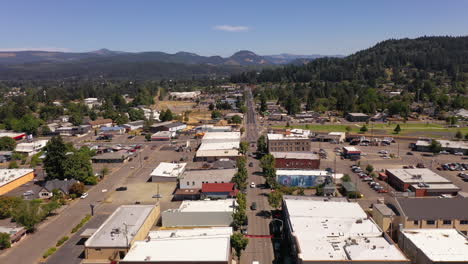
pixel 30 249
pixel 259 248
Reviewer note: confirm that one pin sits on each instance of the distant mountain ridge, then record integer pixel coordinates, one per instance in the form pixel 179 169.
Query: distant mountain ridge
pixel 240 58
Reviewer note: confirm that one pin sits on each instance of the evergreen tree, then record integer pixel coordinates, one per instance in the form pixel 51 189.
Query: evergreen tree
pixel 55 158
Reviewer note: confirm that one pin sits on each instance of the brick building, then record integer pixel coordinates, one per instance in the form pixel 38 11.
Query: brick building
pixel 296 160
pixel 288 143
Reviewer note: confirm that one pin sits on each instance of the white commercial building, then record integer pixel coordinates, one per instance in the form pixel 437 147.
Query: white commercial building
pixel 198 245
pixel 185 95
pixel 193 179
pixel 218 145
pixel 427 246
pixel 167 172
pixel 327 230
pixel 31 148
pixel 337 137
pixel 200 213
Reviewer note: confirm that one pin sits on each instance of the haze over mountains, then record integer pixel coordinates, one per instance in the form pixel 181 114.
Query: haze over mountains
pixel 240 58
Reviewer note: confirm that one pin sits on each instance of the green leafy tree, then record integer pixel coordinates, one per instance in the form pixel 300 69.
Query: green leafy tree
pixel 211 107
pixel 435 146
pixel 346 178
pixel 263 103
pixel 76 118
pixel 148 137
pixel 348 129
pixel 55 158
pixel 236 119
pixel 275 199
pixel 369 168
pixel 136 114
pixel 7 204
pixel 216 114
pixel 459 135
pixel 7 143
pixel 28 214
pixel 78 166
pixel 239 243
pixel 262 147
pixel 93 115
pixel 244 147
pixel 397 129
pixel 363 129
pixel 5 240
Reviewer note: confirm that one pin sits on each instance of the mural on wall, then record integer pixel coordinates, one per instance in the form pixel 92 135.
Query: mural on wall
pixel 300 180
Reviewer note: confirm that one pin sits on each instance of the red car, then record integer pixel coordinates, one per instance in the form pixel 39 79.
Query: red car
pixel 382 191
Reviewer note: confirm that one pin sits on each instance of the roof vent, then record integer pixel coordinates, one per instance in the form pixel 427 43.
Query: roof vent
pixel 147 258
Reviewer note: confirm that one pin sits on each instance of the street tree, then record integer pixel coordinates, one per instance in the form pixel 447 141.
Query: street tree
pixel 275 199
pixel 369 168
pixel 7 143
pixel 239 242
pixel 459 135
pixel 435 146
pixel 244 147
pixel 397 129
pixel 5 240
pixel 363 129
pixel 262 147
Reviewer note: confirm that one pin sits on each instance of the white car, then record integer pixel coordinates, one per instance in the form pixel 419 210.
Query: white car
pixel 252 185
pixel 458 153
pixel 84 195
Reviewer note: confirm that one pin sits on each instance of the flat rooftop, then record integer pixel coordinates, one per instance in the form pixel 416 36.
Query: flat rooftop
pixel 111 233
pixel 439 245
pixel 418 175
pixel 351 149
pixel 219 146
pixel 225 205
pixel 302 172
pixel 286 137
pixel 9 175
pixel 218 153
pixel 433 208
pixel 220 174
pixel 436 186
pixel 166 169
pixel 183 245
pixel 295 155
pixel 221 136
pixel 337 230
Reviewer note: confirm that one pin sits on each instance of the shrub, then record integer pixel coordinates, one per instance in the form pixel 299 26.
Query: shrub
pixel 49 252
pixel 61 241
pixel 81 224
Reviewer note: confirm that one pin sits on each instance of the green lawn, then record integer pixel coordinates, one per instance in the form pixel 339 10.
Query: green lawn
pixel 416 130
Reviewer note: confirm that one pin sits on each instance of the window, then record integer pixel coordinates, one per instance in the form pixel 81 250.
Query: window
pixel 188 183
pixel 430 222
pixel 416 222
pixel 447 222
pixel 463 222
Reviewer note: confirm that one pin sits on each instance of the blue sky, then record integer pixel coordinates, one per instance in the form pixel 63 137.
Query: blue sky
pixel 221 27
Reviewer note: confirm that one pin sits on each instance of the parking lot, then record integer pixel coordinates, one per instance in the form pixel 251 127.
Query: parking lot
pixel 402 156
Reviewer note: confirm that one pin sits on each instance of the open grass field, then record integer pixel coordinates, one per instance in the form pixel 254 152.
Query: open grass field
pixel 175 106
pixel 408 129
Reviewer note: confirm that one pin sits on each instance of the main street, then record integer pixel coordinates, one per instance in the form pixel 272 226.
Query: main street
pixel 259 248
pixel 30 249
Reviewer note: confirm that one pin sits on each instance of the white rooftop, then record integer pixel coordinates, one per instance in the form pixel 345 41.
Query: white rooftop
pixel 183 245
pixel 225 205
pixel 9 175
pixel 351 149
pixel 418 175
pixel 336 133
pixel 220 145
pixel 166 169
pixel 112 232
pixel 337 230
pixel 31 146
pixel 213 137
pixel 442 245
pixel 218 153
pixel 10 134
pixel 302 172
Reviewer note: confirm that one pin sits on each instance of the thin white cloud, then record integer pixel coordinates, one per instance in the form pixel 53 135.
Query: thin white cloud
pixel 51 49
pixel 230 28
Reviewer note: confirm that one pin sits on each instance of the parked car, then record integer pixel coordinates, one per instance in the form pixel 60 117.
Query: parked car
pixel 250 164
pixel 253 206
pixel 84 195
pixel 458 153
pixel 420 165
pixel 382 191
pixel 121 188
pixel 252 185
pixel 367 179
pixel 409 153
pixel 444 152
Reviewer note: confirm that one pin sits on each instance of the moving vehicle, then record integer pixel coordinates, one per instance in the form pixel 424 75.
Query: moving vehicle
pixel 84 195
pixel 252 185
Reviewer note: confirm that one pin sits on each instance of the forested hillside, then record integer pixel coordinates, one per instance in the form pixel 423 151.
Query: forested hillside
pixel 430 70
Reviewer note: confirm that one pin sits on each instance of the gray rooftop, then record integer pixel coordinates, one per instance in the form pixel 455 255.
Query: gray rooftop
pixel 433 208
pixel 112 232
pixel 384 209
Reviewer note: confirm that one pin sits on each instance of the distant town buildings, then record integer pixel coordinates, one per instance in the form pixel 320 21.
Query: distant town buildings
pixel 357 117
pixel 296 160
pixel 288 143
pixel 167 172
